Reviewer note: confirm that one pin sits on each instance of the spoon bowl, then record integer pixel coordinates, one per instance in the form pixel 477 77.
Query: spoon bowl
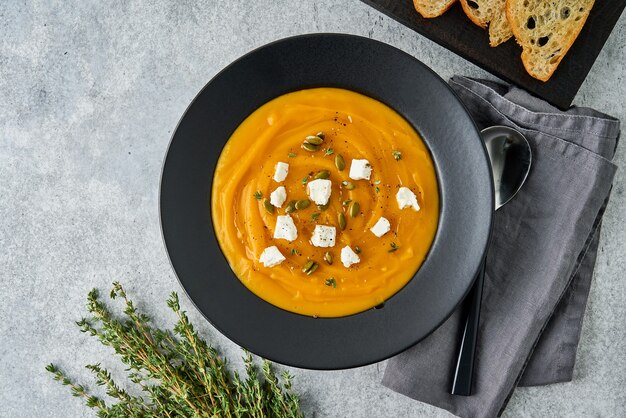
pixel 510 156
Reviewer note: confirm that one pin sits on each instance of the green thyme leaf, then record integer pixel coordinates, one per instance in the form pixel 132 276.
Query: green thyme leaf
pixel 329 151
pixel 397 155
pixel 394 247
pixel 330 282
pixel 258 195
pixel 315 216
pixel 292 155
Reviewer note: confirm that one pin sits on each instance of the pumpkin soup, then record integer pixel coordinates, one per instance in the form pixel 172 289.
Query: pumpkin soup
pixel 325 202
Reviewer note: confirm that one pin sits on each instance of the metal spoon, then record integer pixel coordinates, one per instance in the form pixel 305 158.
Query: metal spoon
pixel 510 157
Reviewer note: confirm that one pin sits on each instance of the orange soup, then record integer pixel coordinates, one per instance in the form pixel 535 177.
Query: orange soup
pixel 325 202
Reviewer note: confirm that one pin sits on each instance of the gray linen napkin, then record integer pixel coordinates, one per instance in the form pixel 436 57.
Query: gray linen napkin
pixel 539 264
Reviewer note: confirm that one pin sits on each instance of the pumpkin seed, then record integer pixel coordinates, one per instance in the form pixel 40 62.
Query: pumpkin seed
pixel 341 218
pixel 308 266
pixel 328 257
pixel 310 147
pixel 321 134
pixel 354 209
pixel 302 204
pixel 291 207
pixel 313 140
pixel 312 269
pixel 340 163
pixel 269 208
pixel 324 174
pixel 348 185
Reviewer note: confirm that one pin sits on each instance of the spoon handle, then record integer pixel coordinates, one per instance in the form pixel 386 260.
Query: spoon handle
pixel 464 371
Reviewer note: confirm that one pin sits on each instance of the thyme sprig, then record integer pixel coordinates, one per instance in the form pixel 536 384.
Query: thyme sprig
pixel 179 374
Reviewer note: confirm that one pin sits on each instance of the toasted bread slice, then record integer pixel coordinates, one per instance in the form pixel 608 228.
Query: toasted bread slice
pixel 432 8
pixel 492 13
pixel 499 28
pixel 546 30
pixel 479 11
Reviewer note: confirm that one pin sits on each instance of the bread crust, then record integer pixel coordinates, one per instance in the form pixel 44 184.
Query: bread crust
pixel 516 25
pixel 426 14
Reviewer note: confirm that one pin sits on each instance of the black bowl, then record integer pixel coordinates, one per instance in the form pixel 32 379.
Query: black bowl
pixel 383 73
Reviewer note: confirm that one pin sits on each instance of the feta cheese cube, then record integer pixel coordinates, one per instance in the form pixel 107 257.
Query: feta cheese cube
pixel 381 228
pixel 319 191
pixel 281 171
pixel 360 170
pixel 271 256
pixel 407 199
pixel 278 196
pixel 285 228
pixel 323 236
pixel 348 257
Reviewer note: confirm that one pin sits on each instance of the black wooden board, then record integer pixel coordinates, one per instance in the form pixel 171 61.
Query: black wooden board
pixel 454 31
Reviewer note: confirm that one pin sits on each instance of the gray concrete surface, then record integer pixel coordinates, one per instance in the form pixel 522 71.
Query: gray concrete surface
pixel 90 92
